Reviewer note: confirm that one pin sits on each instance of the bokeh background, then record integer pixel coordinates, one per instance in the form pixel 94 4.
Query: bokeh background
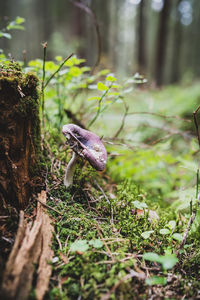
pixel 158 38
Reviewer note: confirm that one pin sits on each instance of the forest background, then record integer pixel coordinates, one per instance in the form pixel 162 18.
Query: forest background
pixel 127 70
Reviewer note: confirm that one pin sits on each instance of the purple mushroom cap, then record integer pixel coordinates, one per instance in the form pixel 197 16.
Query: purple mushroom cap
pixel 86 144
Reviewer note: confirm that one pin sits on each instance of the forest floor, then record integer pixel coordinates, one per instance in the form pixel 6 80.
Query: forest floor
pixel 122 233
pixel 127 232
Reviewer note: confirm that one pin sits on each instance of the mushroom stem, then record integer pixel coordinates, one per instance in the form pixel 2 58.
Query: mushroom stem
pixel 69 173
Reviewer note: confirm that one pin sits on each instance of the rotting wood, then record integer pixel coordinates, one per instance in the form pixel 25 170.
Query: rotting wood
pixel 20 153
pixel 32 245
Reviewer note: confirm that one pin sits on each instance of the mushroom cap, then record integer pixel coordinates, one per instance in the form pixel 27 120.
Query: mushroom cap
pixel 86 144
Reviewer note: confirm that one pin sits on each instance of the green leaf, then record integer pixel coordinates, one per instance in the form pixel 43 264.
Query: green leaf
pixel 156 280
pixel 74 61
pixel 168 261
pixel 80 245
pixel 94 98
pixel 115 86
pixel 37 63
pixel 101 86
pixel 59 58
pixel 151 256
pixel 178 237
pixel 171 224
pixel 5 34
pixel 96 243
pixel 113 94
pixel 104 72
pixel 110 78
pixel 19 20
pixel 139 205
pixel 75 71
pixel 164 231
pixel 146 234
pixel 15 26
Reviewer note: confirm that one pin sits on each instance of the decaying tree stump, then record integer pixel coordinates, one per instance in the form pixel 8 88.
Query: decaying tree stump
pixel 30 254
pixel 19 136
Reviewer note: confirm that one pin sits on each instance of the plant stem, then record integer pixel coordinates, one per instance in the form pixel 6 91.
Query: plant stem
pixel 43 79
pixel 61 65
pixel 99 107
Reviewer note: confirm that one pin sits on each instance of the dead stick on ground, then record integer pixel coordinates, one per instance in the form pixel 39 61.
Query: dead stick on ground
pixel 47 206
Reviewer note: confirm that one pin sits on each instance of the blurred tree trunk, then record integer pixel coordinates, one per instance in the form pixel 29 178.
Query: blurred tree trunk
pixel 141 37
pixel 195 37
pixel 19 137
pixel 79 30
pixel 114 8
pixel 104 21
pixel 161 42
pixel 176 44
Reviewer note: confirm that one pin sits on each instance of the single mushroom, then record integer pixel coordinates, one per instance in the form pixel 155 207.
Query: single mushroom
pixel 85 144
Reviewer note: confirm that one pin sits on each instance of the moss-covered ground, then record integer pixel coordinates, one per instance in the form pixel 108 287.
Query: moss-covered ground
pixel 105 226
pixel 122 233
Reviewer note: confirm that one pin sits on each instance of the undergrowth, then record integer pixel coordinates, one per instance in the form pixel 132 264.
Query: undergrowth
pixel 104 229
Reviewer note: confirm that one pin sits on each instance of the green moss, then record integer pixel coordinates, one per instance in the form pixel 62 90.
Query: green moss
pixel 20 89
pixel 93 273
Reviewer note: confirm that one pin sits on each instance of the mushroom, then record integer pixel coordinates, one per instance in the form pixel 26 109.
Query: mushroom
pixel 85 144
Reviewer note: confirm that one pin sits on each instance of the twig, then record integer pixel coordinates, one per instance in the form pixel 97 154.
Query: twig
pixel 43 79
pixel 89 11
pixel 196 123
pixel 47 206
pixel 99 107
pixel 59 242
pixel 123 120
pixel 52 76
pixel 191 220
pixel 158 115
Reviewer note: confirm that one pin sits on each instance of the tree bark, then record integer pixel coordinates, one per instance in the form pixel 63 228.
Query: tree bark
pixel 31 251
pixel 19 136
pixel 162 42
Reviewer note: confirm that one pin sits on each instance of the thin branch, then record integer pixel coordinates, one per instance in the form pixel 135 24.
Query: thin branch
pixel 99 106
pixel 196 123
pixel 43 78
pixel 61 65
pixel 158 115
pixel 191 219
pixel 90 12
pixel 123 120
pixel 47 206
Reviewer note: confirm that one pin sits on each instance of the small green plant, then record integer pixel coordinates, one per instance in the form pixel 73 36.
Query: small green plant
pixel 167 261
pixel 17 24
